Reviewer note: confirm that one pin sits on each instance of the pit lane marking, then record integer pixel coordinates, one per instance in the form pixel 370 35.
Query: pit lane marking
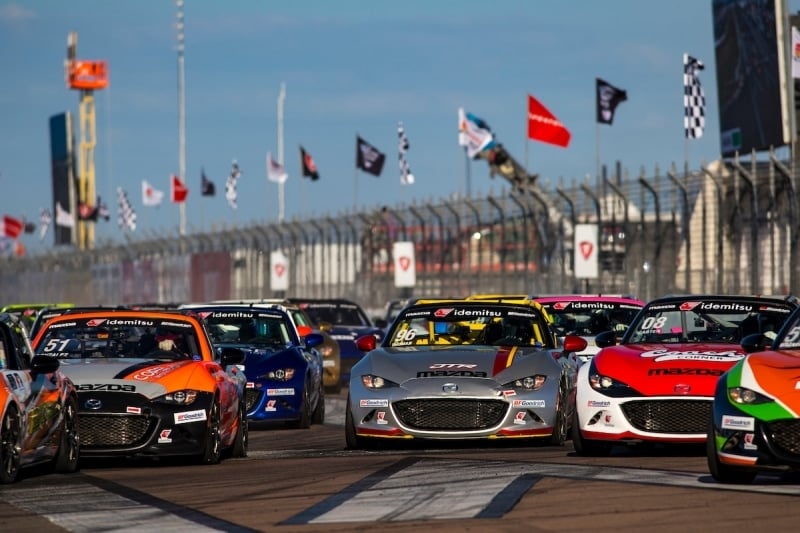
pixel 435 489
pixel 83 505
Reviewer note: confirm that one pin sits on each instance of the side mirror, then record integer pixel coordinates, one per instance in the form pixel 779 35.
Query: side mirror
pixel 575 343
pixel 754 343
pixel 314 339
pixel 231 356
pixel 303 331
pixel 44 364
pixel 606 339
pixel 367 343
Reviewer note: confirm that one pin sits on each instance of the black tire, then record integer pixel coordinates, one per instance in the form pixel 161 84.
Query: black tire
pixel 561 425
pixel 212 451
pixel 587 447
pixel 304 422
pixel 242 440
pixel 10 429
pixel 318 417
pixel 353 441
pixel 721 472
pixel 68 455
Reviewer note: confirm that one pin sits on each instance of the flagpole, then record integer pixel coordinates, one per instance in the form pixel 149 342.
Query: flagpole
pixel 597 151
pixel 181 113
pixel 355 179
pixel 281 99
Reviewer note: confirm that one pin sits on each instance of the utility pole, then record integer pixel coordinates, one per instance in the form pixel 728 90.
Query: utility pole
pixel 181 112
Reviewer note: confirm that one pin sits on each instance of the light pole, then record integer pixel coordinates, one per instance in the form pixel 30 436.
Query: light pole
pixel 181 112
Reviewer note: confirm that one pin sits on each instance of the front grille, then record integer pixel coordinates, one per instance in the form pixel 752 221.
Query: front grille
pixel 785 435
pixel 251 397
pixel 106 430
pixel 668 416
pixel 450 414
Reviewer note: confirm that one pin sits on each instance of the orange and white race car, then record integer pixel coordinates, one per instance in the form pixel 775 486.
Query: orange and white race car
pixel 149 384
pixel 38 408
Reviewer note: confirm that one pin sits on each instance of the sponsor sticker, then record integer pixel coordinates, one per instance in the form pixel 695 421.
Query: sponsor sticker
pixel 250 385
pixel 164 436
pixel 528 403
pixel 519 418
pixel 280 392
pixel 190 416
pixel 373 403
pixel 381 419
pixel 508 393
pixel 693 355
pixel 608 421
pixel 133 410
pixel 598 403
pixel 328 362
pixel 270 408
pixel 748 442
pixel 746 423
pixel 155 372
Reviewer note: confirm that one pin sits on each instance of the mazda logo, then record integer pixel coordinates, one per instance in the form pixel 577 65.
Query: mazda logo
pixel 93 403
pixel 450 387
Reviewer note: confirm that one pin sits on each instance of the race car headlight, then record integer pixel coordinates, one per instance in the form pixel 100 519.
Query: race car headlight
pixel 376 382
pixel 181 397
pixel 610 386
pixel 279 374
pixel 527 383
pixel 742 395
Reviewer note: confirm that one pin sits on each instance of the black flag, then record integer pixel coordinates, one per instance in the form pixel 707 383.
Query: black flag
pixel 206 185
pixel 608 97
pixel 308 165
pixel 368 158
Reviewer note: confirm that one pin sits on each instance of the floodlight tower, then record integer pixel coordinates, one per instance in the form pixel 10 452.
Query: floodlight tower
pixel 86 77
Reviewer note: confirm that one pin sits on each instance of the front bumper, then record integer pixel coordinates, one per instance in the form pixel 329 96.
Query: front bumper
pixel 131 425
pixel 267 401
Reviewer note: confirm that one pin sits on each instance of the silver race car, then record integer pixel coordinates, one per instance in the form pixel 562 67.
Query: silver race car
pixel 459 369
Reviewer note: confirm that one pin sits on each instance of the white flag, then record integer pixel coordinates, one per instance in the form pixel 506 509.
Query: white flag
pixel 64 217
pixel 150 195
pixel 275 171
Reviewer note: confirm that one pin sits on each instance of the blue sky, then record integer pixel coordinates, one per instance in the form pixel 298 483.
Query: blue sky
pixel 350 67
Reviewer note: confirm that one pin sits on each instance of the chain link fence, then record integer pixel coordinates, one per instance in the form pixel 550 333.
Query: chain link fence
pixel 728 227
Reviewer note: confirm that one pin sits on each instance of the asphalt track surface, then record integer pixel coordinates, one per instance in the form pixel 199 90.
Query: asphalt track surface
pixel 296 480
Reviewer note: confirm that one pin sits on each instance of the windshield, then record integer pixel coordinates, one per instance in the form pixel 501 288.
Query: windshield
pixel 248 327
pixel 340 314
pixel 716 321
pixel 481 324
pixel 590 318
pixel 119 338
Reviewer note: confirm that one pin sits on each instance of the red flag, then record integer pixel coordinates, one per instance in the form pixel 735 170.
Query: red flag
pixel 11 227
pixel 178 190
pixel 544 126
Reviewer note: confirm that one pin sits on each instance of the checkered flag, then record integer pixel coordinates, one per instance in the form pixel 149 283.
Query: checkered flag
pixel 694 101
pixel 406 177
pixel 127 216
pixel 230 184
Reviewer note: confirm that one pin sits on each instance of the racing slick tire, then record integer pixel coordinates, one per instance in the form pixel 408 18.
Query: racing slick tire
pixel 68 455
pixel 10 428
pixel 561 424
pixel 304 422
pixel 721 472
pixel 212 450
pixel 242 439
pixel 318 417
pixel 584 446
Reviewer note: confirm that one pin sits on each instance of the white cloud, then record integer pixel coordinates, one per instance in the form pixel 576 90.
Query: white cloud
pixel 15 12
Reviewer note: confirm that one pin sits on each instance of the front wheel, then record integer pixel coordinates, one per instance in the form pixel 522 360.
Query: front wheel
pixel 586 446
pixel 242 439
pixel 9 450
pixel 68 455
pixel 722 472
pixel 561 424
pixel 318 417
pixel 304 422
pixel 212 452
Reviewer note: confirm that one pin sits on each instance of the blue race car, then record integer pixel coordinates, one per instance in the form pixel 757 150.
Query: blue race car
pixel 282 365
pixel 345 321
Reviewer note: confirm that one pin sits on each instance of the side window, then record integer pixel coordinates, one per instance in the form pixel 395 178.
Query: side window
pixel 8 359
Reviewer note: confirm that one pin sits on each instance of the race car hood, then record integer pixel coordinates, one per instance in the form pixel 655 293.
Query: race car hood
pixel 776 374
pixel 422 365
pixel 257 361
pixel 668 369
pixel 148 377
